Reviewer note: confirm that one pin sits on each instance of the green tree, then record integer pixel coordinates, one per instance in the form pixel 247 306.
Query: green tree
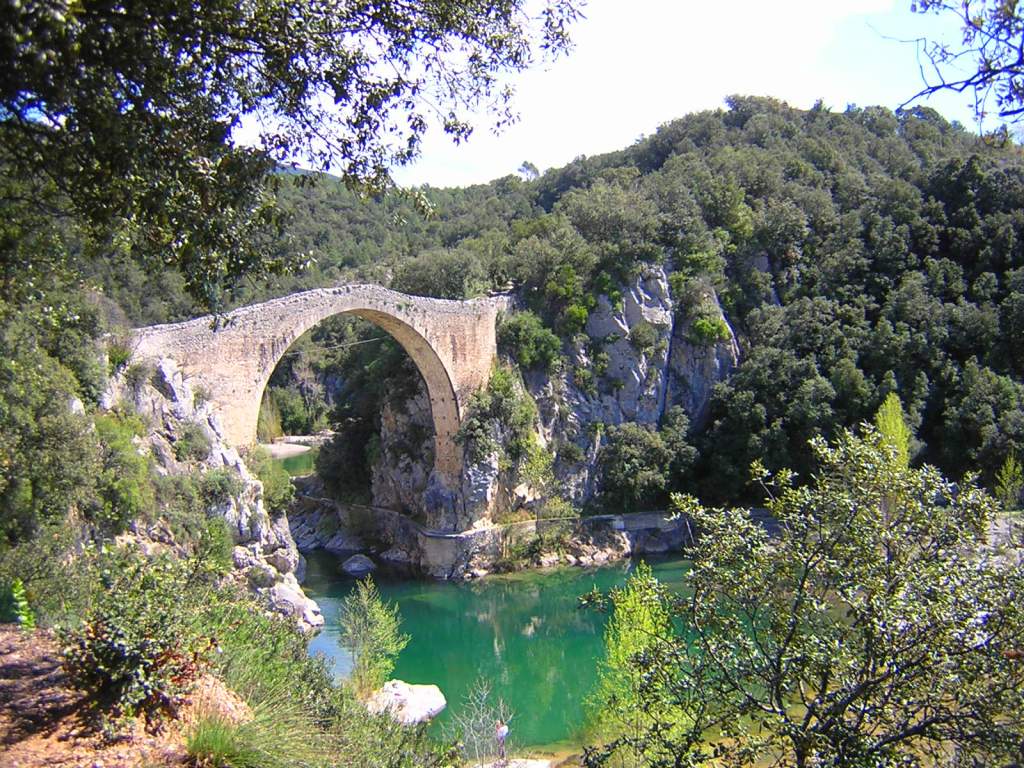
pixel 370 632
pixel 278 490
pixel 634 465
pixel 49 459
pixel 892 426
pixel 850 638
pixel 524 337
pixel 1010 481
pixel 640 622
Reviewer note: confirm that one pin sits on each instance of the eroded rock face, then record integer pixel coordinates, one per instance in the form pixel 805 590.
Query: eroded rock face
pixel 402 471
pixel 639 361
pixel 696 368
pixel 265 554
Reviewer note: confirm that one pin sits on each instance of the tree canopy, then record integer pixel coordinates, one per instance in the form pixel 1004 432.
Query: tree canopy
pixel 126 116
pixel 870 631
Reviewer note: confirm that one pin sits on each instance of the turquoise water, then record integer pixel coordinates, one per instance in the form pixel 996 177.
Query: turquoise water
pixel 300 464
pixel 522 632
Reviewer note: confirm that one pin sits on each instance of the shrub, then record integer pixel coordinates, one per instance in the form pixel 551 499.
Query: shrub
pixel 57 571
pixel 137 374
pixel 639 622
pixel 524 337
pixel 643 336
pixel 118 356
pixel 192 443
pixel 573 319
pixel 279 735
pixel 706 330
pixel 1009 482
pixel 215 548
pixel 502 409
pixel 370 632
pixel 570 453
pixel 132 654
pixel 634 466
pixel 124 485
pixel 219 485
pixel 24 617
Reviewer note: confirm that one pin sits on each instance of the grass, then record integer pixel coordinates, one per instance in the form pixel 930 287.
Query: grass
pixel 279 735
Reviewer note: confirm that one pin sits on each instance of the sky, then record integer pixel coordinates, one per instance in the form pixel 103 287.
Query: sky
pixel 641 63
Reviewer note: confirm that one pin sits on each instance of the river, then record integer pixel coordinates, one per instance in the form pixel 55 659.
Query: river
pixel 522 632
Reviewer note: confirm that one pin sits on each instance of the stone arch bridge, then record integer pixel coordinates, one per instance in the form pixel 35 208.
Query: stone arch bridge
pixel 452 344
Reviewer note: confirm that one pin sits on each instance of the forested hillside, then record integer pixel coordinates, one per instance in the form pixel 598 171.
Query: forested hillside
pixel 854 253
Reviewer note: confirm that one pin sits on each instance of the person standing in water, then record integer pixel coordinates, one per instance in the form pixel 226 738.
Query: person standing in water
pixel 500 734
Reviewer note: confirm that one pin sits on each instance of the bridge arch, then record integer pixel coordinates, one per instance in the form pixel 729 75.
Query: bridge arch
pixel 452 343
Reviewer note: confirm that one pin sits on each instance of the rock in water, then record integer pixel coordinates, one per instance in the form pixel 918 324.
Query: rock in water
pixel 407 704
pixel 358 565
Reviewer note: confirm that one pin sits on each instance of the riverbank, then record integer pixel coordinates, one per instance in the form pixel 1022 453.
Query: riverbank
pixel 285 450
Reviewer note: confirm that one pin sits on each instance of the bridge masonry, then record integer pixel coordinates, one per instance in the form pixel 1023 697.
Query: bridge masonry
pixel 452 344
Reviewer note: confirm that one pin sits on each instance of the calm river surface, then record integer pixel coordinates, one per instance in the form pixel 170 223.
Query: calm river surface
pixel 522 632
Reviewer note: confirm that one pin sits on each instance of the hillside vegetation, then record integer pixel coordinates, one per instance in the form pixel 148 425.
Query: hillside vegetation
pixel 854 253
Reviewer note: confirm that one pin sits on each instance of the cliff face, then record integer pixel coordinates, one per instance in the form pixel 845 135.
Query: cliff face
pixel 639 357
pixel 265 555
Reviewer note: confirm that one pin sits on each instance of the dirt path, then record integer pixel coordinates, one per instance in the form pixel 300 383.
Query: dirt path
pixel 41 718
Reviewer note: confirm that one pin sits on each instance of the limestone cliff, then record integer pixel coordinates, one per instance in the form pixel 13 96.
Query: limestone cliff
pixel 265 555
pixel 639 356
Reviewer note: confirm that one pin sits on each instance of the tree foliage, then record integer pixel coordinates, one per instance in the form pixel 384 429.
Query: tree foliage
pixel 640 621
pixel 131 118
pixel 851 638
pixel 986 63
pixel 893 428
pixel 370 632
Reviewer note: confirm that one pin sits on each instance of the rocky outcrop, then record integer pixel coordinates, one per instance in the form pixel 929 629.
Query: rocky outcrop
pixel 265 554
pixel 638 358
pixel 407 704
pixel 358 566
pixel 695 368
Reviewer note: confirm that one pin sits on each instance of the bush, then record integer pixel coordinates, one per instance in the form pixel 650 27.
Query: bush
pixel 639 622
pixel 48 454
pixel 219 486
pixel 57 571
pixel 124 485
pixel 370 632
pixel 118 355
pixel 192 443
pixel 132 654
pixel 634 466
pixel 706 330
pixel 502 410
pixel 137 374
pixel 643 336
pixel 524 337
pixel 215 549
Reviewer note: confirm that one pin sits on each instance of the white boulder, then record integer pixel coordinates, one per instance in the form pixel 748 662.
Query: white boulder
pixel 407 704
